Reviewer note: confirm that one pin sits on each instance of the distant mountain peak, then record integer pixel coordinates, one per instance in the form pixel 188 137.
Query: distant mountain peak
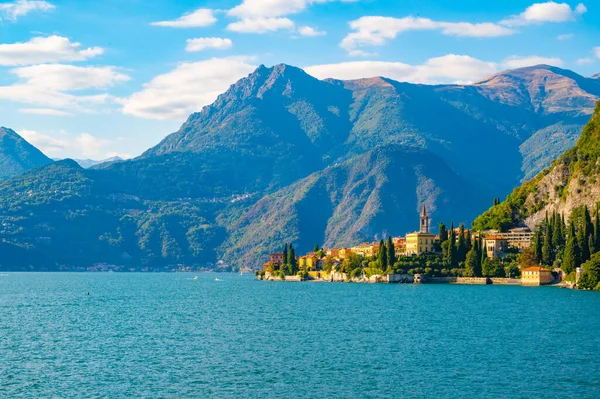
pixel 17 155
pixel 596 76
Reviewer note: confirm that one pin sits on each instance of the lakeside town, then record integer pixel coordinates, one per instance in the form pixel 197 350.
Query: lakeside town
pixel 517 256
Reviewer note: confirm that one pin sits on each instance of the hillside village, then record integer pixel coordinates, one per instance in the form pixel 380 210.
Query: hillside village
pixel 482 257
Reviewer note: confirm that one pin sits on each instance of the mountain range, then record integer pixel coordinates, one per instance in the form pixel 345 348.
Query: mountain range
pixel 283 156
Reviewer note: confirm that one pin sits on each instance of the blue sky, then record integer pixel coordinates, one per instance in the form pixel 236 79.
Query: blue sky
pixel 93 79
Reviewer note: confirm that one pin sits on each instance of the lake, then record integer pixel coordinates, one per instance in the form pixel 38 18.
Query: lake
pixel 171 336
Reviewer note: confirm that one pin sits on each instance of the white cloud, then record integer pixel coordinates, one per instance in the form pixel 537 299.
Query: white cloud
pixel 200 18
pixel 545 12
pixel 261 25
pixel 203 43
pixel 566 36
pixel 21 8
pixel 186 89
pixel 49 86
pixel 450 68
pixel 311 32
pixel 63 144
pixel 273 8
pixel 69 77
pixel 44 111
pixel 585 61
pixel 521 62
pixel 597 51
pixel 43 50
pixel 376 30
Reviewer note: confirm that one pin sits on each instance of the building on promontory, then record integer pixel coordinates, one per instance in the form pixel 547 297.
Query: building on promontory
pixel 423 241
pixel 536 276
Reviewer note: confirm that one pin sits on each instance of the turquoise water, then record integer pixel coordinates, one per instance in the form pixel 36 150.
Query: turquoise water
pixel 170 336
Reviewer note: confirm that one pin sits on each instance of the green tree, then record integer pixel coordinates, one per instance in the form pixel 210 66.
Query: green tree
pixel 316 248
pixel 391 254
pixel 537 245
pixel 382 255
pixel 443 233
pixel 590 278
pixel 547 250
pixel 472 268
pixel 292 261
pixel 558 239
pixel 461 244
pixel 571 255
pixel 596 231
pixel 285 254
pixel 451 248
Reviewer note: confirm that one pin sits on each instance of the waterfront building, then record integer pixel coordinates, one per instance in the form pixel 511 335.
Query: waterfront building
pixel 308 262
pixel 536 276
pixel 422 241
pixel 495 245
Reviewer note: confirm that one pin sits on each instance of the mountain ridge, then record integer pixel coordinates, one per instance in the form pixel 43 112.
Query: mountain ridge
pixel 17 155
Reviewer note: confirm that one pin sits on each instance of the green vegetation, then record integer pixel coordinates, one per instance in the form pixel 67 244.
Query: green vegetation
pixel 556 245
pixel 581 162
pixel 590 279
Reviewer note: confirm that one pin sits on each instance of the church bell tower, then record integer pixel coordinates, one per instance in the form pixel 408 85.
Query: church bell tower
pixel 424 221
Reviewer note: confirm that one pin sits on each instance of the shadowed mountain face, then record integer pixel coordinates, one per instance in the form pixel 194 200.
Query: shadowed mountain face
pixel 17 155
pixel 370 196
pixel 282 156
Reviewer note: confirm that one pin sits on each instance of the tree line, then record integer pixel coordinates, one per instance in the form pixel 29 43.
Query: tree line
pixel 568 246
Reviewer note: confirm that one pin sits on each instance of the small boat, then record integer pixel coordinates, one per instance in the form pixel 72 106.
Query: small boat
pixel 217 279
pixel 195 277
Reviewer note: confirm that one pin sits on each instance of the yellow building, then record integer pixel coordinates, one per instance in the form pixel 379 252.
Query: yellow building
pixel 422 241
pixel 366 250
pixel 536 276
pixel 308 262
pixel 495 245
pixel 344 252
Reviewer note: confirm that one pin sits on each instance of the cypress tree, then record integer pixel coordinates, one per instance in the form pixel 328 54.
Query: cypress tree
pixel 285 254
pixel 292 260
pixel 537 245
pixel 483 251
pixel 451 254
pixel 582 242
pixel 570 258
pixel 596 232
pixel 316 248
pixel 461 245
pixel 443 233
pixel 547 253
pixel 557 234
pixel 391 253
pixel 382 255
pixel 478 254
